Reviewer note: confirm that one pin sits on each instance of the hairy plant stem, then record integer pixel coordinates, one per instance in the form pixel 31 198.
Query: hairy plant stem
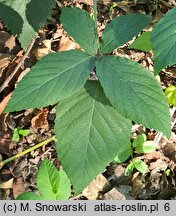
pixel 2 163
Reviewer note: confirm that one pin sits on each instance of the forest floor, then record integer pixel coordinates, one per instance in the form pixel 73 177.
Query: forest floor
pixel 20 175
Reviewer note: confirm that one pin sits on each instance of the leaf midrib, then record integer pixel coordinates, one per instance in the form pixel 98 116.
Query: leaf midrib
pixel 91 118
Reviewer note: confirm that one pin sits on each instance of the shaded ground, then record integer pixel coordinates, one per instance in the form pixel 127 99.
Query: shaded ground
pixel 20 175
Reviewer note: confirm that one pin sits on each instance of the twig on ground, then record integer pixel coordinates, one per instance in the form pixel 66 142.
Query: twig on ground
pixel 45 142
pixel 5 84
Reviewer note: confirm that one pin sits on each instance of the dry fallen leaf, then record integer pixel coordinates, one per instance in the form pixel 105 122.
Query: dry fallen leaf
pixel 40 120
pixel 10 43
pixel 40 52
pixel 5 60
pixel 114 194
pixel 67 44
pixel 4 102
pixel 4 36
pixel 155 155
pixel 7 185
pixel 169 150
pixel 96 186
pixel 5 143
pixel 58 33
pixel 18 187
pixel 158 166
pixel 89 2
pixel 47 43
pixel 138 186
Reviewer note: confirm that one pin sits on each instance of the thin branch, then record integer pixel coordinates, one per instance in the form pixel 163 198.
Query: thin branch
pixel 7 81
pixel 2 163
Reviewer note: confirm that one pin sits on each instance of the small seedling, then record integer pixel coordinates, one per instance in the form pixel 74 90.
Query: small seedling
pixel 17 132
pixel 138 164
pixel 111 8
pixel 170 93
pixel 52 184
pixel 168 171
pixel 140 146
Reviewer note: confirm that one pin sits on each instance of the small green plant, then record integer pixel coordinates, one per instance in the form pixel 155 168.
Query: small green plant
pixel 168 172
pixel 112 6
pixel 140 146
pixel 17 132
pixel 170 93
pixel 93 119
pixel 52 184
pixel 136 164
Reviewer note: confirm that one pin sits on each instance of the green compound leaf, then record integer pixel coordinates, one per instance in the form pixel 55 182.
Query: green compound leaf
pixel 121 30
pixel 164 41
pixel 53 78
pixel 53 184
pixel 142 43
pixel 29 196
pixel 134 92
pixel 170 93
pixel 25 17
pixel 90 134
pixel 79 25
